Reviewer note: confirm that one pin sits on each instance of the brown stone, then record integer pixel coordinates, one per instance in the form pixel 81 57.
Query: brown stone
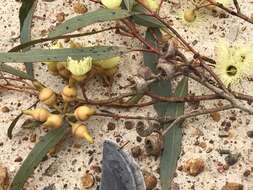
pixel 79 8
pixel 4 178
pixel 216 116
pixel 194 167
pixel 88 180
pixel 60 17
pixel 232 186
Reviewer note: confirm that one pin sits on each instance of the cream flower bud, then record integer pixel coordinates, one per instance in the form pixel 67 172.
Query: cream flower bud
pixel 190 15
pixel 62 70
pixel 52 67
pixel 47 96
pixel 82 113
pixel 150 4
pixel 69 94
pixel 111 4
pixel 108 63
pixel 39 114
pixel 54 121
pixel 81 131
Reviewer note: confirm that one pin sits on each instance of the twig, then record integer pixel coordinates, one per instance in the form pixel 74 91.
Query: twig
pixel 237 14
pixel 194 114
pixel 41 40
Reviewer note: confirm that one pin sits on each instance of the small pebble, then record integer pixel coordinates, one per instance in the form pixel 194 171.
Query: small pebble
pixel 232 186
pixel 60 17
pixel 111 126
pixel 136 151
pixel 223 134
pixel 150 180
pixel 246 173
pixel 4 178
pixel 250 134
pixel 231 159
pixel 5 109
pixel 88 180
pixel 33 138
pixel 129 125
pixel 194 167
pixel 18 159
pixel 216 116
pixel 79 8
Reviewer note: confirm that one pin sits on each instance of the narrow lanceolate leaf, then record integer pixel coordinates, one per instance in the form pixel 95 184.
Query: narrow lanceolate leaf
pixel 40 55
pixel 80 21
pixel 13 71
pixel 36 155
pixel 129 4
pixel 173 139
pixel 25 17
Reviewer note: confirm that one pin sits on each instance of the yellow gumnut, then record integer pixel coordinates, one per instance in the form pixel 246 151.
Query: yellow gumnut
pixel 54 121
pixel 69 94
pixel 47 96
pixel 39 114
pixel 65 73
pixel 111 4
pixel 81 131
pixel 82 113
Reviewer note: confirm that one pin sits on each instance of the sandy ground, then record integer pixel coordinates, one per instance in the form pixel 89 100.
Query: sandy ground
pixel 201 135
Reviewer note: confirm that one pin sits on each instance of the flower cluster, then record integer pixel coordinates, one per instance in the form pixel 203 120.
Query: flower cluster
pixel 73 71
pixel 53 120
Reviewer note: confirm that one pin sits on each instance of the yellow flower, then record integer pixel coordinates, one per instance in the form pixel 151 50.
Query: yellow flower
pixel 79 67
pixel 233 63
pixel 108 63
pixel 111 4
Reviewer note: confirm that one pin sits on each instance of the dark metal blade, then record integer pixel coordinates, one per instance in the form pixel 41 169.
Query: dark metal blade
pixel 120 171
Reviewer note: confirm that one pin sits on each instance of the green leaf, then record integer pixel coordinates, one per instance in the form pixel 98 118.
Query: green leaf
pixel 145 20
pixel 161 88
pixel 80 21
pixel 25 17
pixel 173 139
pixel 129 4
pixel 13 71
pixel 36 155
pixel 43 55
